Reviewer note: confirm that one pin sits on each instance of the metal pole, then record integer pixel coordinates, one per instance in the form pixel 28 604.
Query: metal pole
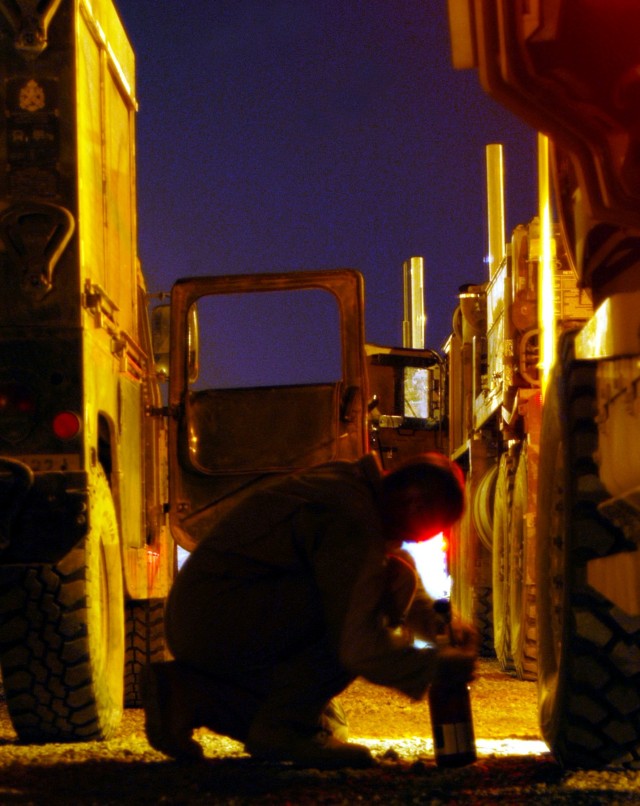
pixel 415 319
pixel 495 206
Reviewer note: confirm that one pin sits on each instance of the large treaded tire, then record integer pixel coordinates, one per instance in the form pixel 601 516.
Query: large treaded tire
pixel 522 592
pixel 62 636
pixel 457 559
pixel 482 595
pixel 589 650
pixel 145 643
pixel 483 620
pixel 500 562
pixel 471 593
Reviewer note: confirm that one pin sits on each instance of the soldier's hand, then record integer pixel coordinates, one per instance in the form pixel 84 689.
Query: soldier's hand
pixel 464 635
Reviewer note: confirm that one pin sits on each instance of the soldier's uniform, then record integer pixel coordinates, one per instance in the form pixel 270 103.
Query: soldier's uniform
pixel 291 597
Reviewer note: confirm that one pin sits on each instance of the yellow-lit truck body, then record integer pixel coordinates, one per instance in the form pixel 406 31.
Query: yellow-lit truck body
pixel 543 371
pixel 86 558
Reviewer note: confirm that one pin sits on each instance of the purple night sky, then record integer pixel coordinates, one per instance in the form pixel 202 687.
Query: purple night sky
pixel 290 134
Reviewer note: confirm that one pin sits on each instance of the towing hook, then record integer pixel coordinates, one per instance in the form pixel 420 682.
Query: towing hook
pixel 20 483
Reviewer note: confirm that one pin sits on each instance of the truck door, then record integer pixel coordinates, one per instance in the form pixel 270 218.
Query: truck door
pixel 280 386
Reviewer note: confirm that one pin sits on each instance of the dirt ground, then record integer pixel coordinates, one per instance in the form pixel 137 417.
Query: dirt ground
pixel 378 712
pixel 513 766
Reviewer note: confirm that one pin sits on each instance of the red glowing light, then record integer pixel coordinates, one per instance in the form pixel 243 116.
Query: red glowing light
pixel 16 399
pixel 66 425
pixel 428 534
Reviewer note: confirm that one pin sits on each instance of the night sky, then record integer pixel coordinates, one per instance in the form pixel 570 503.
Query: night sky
pixel 291 134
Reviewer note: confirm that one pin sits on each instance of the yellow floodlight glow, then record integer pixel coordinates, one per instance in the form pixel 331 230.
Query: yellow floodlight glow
pixel 546 263
pixel 408 749
pixel 411 748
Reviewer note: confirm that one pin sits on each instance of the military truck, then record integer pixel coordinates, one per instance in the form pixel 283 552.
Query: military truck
pixel 84 546
pixel 495 381
pixel 544 376
pixel 408 394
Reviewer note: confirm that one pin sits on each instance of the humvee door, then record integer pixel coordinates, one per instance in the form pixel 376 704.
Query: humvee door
pixel 280 386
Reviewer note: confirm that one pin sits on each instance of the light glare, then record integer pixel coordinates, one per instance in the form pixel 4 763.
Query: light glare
pixel 431 561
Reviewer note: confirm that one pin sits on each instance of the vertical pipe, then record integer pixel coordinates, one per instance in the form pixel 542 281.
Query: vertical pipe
pixel 495 206
pixel 415 319
pixel 546 289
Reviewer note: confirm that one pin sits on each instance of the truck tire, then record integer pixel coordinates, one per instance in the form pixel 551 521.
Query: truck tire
pixel 482 503
pixel 522 591
pixel 483 620
pixel 588 667
pixel 457 557
pixel 145 643
pixel 469 568
pixel 62 636
pixel 482 520
pixel 500 562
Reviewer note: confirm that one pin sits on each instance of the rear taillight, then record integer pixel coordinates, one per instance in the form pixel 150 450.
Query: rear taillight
pixel 16 399
pixel 18 405
pixel 66 425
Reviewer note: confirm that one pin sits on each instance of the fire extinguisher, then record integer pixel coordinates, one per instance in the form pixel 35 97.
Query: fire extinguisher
pixel 450 708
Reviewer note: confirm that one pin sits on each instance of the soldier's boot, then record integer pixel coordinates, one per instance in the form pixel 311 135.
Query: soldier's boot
pixel 305 746
pixel 334 721
pixel 171 710
pixel 178 698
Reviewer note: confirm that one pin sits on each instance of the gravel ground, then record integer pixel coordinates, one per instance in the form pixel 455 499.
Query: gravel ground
pixel 513 767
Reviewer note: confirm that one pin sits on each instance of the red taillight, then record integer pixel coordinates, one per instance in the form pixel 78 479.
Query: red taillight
pixel 18 405
pixel 66 425
pixel 16 398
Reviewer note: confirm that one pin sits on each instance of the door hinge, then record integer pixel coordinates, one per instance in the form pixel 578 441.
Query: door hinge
pixel 162 411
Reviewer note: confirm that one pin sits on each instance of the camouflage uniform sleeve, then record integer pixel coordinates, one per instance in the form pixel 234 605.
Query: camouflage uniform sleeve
pixel 350 569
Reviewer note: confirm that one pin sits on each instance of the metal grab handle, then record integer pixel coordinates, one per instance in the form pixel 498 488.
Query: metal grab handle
pixel 35 235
